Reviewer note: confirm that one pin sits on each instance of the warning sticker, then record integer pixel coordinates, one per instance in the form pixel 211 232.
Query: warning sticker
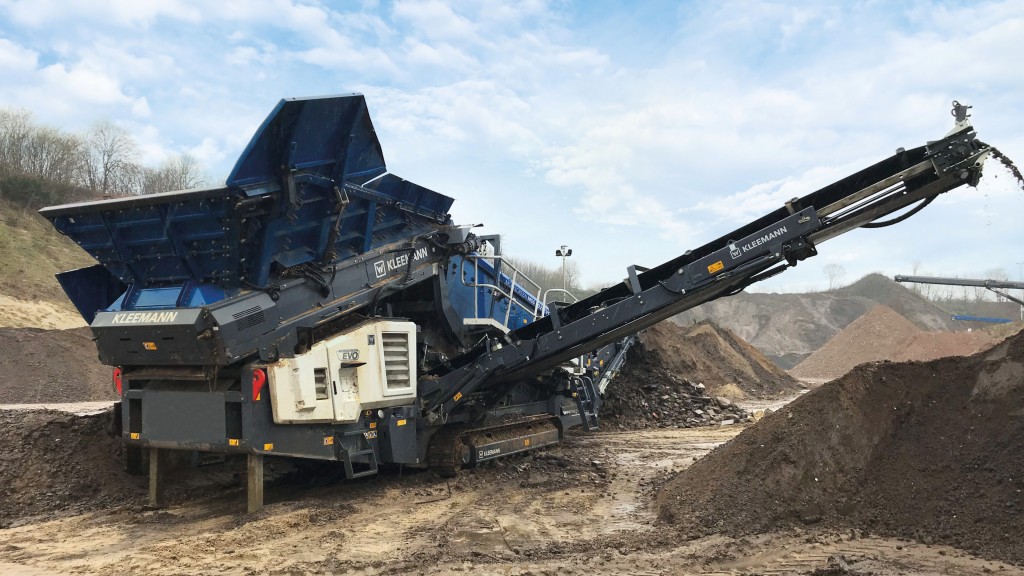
pixel 716 267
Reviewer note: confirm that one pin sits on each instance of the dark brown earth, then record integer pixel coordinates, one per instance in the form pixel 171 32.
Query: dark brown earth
pixel 716 357
pixel 929 451
pixel 51 366
pixel 690 376
pixel 60 462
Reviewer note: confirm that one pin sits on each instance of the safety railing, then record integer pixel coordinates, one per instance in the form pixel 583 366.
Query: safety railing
pixel 563 291
pixel 515 283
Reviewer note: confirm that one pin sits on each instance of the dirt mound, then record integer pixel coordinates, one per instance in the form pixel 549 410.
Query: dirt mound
pixel 51 366
pixel 884 334
pixel 907 303
pixel 789 327
pixel 676 376
pixel 715 357
pixel 55 461
pixel 927 451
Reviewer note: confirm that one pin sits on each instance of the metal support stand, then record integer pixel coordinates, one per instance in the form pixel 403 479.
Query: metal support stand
pixel 157 463
pixel 255 480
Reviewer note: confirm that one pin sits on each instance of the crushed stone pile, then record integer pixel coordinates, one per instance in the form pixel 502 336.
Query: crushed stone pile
pixel 884 291
pixel 929 451
pixel 39 366
pixel 690 376
pixel 884 334
pixel 55 461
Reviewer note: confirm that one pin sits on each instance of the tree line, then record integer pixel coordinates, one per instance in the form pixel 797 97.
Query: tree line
pixel 41 165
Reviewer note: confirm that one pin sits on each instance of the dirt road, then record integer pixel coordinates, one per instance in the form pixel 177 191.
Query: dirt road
pixel 581 508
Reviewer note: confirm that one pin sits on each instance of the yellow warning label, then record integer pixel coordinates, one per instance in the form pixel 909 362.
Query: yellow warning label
pixel 373 425
pixel 400 422
pixel 232 441
pixel 268 447
pixel 149 345
pixel 457 396
pixel 134 435
pixel 716 267
pixel 328 440
pixel 526 442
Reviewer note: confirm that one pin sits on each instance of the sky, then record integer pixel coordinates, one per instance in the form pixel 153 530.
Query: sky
pixel 629 131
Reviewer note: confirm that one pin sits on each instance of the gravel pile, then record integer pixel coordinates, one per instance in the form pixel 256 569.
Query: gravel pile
pixel 884 334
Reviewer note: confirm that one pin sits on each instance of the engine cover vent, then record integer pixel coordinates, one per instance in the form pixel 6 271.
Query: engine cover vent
pixel 397 369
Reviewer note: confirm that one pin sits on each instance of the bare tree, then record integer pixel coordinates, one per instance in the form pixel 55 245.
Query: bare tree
pixel 15 130
pixel 55 156
pixel 550 277
pixel 111 155
pixel 833 272
pixel 182 172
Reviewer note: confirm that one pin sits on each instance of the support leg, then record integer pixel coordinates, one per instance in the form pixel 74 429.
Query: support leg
pixel 156 478
pixel 255 481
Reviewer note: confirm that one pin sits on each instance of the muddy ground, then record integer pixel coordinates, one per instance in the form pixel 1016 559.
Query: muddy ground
pixel 582 508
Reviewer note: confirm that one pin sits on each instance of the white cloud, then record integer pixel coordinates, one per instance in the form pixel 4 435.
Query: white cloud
pixel 141 108
pixel 15 58
pixel 436 20
pixel 125 13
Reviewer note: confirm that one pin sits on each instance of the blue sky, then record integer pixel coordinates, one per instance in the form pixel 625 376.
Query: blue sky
pixel 630 131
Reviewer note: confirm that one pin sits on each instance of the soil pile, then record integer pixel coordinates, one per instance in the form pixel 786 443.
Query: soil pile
pixel 54 461
pixel 884 334
pixel 789 327
pixel 676 376
pixel 907 303
pixel 51 366
pixel 927 451
pixel 717 358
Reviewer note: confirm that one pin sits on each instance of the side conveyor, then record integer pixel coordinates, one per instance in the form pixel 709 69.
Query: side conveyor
pixel 754 252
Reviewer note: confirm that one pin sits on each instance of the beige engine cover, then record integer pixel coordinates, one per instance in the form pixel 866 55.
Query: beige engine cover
pixel 371 366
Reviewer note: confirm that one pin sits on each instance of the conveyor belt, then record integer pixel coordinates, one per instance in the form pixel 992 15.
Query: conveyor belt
pixel 758 250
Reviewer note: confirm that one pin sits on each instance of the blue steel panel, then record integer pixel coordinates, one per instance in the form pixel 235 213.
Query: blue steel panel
pixel 328 148
pixel 331 136
pixel 461 297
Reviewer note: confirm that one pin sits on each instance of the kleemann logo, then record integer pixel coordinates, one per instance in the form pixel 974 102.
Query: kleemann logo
pixel 737 251
pixel 384 267
pixel 143 317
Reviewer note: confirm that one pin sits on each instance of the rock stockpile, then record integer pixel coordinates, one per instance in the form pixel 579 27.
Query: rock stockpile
pixel 684 377
pixel 658 399
pixel 884 334
pixel 928 451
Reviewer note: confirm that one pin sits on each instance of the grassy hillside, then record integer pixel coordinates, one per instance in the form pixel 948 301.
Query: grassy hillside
pixel 31 252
